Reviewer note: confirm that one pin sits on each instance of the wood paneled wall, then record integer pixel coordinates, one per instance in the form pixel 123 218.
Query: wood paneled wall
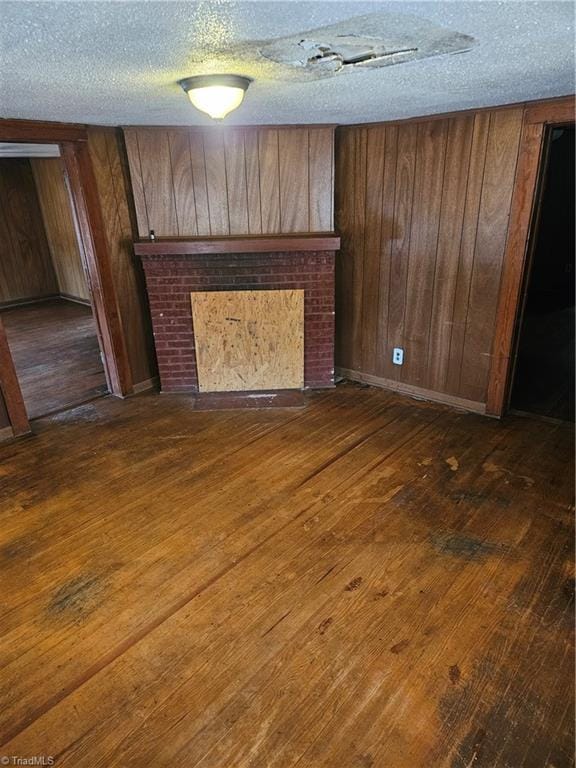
pixel 59 225
pixel 26 270
pixel 232 181
pixel 108 160
pixel 423 208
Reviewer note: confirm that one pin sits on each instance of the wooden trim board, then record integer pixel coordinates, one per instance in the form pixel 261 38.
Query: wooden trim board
pixel 252 244
pixel 551 111
pixel 417 392
pixel 145 386
pixel 75 299
pixel 41 131
pixel 92 241
pixel 558 105
pixel 73 142
pixel 13 303
pixel 10 387
pixel 526 184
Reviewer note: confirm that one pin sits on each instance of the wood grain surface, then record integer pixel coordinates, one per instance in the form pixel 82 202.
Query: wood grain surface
pixel 59 225
pixel 116 203
pixel 238 244
pixel 422 208
pixel 56 355
pixel 369 581
pixel 26 270
pixel 197 182
pixel 13 413
pixel 249 340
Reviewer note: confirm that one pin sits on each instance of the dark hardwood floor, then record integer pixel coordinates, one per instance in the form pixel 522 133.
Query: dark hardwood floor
pixel 56 354
pixel 370 581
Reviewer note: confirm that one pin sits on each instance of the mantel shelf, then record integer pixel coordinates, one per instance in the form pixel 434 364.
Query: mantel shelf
pixel 328 241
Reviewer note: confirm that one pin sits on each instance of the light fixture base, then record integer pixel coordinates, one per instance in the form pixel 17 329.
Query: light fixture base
pixel 206 81
pixel 217 95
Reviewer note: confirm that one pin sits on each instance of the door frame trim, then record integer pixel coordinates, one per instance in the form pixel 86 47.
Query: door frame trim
pixel 536 119
pixel 90 231
pixel 10 388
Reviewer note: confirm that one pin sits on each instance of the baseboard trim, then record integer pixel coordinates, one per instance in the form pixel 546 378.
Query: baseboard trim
pixel 7 433
pixel 40 299
pixel 145 386
pixel 28 300
pixel 75 299
pixel 419 393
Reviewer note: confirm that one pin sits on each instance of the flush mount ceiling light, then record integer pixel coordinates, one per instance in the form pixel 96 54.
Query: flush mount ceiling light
pixel 217 95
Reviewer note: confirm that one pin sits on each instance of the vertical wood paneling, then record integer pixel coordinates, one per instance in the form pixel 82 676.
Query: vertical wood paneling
pixel 232 180
pixel 448 252
pixel 423 211
pixel 252 182
pixel 423 246
pixel 361 159
pixel 400 240
pixel 133 153
pixel 26 269
pixel 344 207
pixel 383 363
pixel 294 182
pixel 60 228
pixel 183 182
pixel 321 179
pixel 215 159
pixel 196 143
pixel 467 247
pixel 501 158
pixel 269 180
pixel 237 185
pixel 156 168
pixel 375 148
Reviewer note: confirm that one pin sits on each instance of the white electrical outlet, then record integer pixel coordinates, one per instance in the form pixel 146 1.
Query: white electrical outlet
pixel 398 356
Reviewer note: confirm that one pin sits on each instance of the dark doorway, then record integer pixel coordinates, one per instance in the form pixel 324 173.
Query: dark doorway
pixel 544 376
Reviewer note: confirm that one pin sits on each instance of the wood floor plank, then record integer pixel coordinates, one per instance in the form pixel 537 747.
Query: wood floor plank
pixel 370 581
pixel 56 354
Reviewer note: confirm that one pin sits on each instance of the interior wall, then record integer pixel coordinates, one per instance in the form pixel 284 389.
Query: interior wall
pixel 59 225
pixel 423 209
pixel 234 181
pixel 26 270
pixel 111 174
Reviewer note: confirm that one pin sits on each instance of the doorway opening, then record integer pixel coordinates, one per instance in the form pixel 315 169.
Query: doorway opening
pixel 45 298
pixel 543 382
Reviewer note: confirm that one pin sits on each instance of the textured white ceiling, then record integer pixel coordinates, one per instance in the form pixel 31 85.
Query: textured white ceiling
pixel 117 63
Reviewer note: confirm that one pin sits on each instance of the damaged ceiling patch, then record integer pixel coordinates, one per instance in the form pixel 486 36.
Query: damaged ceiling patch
pixel 364 42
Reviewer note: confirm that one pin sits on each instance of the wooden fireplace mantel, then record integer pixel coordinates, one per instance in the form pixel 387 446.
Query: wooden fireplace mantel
pixel 328 241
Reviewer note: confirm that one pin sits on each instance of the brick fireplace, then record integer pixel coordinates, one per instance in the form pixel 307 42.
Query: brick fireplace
pixel 175 269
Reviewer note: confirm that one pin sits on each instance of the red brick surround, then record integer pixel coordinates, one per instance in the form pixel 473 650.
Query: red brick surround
pixel 170 279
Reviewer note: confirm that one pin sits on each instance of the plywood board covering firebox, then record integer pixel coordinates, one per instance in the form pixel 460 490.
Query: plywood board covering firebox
pixel 249 340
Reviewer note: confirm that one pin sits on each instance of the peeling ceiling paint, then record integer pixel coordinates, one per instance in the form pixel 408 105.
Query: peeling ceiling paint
pixel 118 63
pixel 371 41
